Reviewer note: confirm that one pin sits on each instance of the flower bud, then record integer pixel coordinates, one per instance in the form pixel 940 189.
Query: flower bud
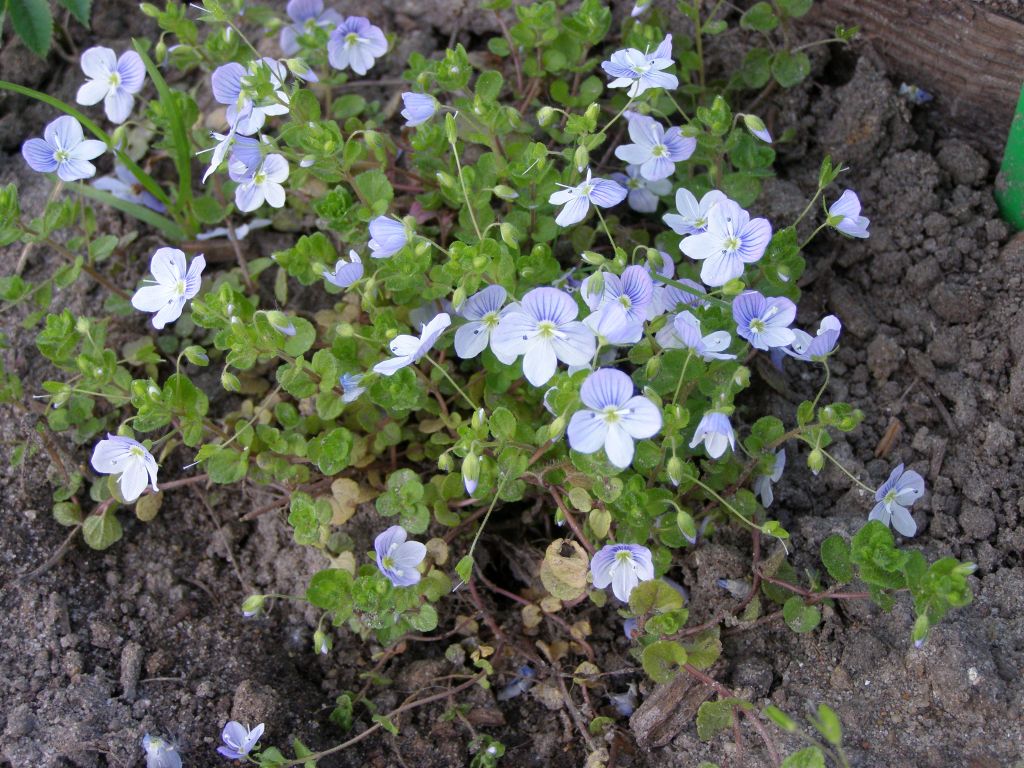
pixel 470 472
pixel 509 234
pixel 444 462
pixel 479 418
pixel 816 461
pixel 253 605
pixel 321 642
pixel 505 192
pixel 757 127
pixel 345 330
pixel 459 297
pixel 451 130
pixel 546 116
pixel 593 111
pixel 733 287
pixel 581 158
pixel 675 472
pixel 593 257
pixel 196 355
pixel 230 382
pixel 556 428
pixel 653 367
pixel 82 326
pixel 445 179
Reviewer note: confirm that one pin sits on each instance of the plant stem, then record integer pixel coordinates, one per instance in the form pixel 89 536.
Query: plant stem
pixel 847 472
pixel 451 381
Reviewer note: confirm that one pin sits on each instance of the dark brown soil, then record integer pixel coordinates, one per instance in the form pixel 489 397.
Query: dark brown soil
pixel 102 647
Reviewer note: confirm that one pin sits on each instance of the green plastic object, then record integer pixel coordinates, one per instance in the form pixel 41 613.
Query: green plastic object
pixel 1010 181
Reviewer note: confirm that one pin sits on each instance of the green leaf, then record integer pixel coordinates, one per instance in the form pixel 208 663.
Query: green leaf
pixel 385 722
pixel 502 424
pixel 713 718
pixel 759 17
pixel 33 23
pixel 795 8
pixel 835 556
pixel 788 69
pixel 80 9
pixel 330 589
pixel 705 649
pixel 800 618
pixel 662 660
pixel 488 85
pixel 780 718
pixel 828 725
pixel 811 757
pixel 654 596
pixel 102 531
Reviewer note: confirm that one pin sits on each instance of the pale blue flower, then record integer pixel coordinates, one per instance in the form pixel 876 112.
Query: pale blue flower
pixel 639 7
pixel 672 297
pixel 764 322
pixel 387 237
pixel 623 566
pixel 351 385
pixel 915 94
pixel 894 497
pixel 692 218
pixel 113 80
pixel 175 285
pixel 613 418
pixel 230 88
pixel 63 149
pixel 624 304
pixel 520 684
pixel 397 558
pixel 763 483
pixel 844 215
pixel 731 240
pixel 305 15
pixel 757 127
pixel 544 329
pixel 643 194
pixel 419 107
pixel 640 71
pixel 716 433
pixel 345 272
pixel 239 740
pixel 482 311
pixel 807 347
pixel 124 186
pixel 409 349
pixel 601 192
pixel 684 333
pixel 264 184
pixel 654 149
pixel 356 43
pixel 128 458
pixel 160 753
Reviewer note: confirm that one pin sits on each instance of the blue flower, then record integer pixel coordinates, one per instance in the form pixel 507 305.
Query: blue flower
pixel 63 149
pixel 716 433
pixel 160 753
pixel 623 566
pixel 640 71
pixel 601 192
pixel 764 322
pixel 345 272
pixel 643 194
pixel 521 684
pixel 239 740
pixel 482 310
pixel 544 329
pixel 763 483
pixel 807 347
pixel 419 107
pixel 397 558
pixel 174 285
pixel 356 43
pixel 894 497
pixel 409 349
pixel 692 218
pixel 305 14
pixel 128 458
pixel 613 417
pixel 623 307
pixel 844 215
pixel 231 90
pixel 639 7
pixel 112 80
pixel 264 184
pixel 672 297
pixel 684 333
pixel 387 237
pixel 654 149
pixel 731 240
pixel 124 186
pixel 351 385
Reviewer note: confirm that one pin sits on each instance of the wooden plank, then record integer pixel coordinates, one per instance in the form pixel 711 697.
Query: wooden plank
pixel 969 57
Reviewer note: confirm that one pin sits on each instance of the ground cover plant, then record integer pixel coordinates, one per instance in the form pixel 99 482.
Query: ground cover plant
pixel 513 326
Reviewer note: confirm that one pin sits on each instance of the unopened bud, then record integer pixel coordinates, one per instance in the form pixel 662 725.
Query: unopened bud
pixel 816 461
pixel 253 605
pixel 581 158
pixel 546 116
pixel 505 192
pixel 321 642
pixel 470 472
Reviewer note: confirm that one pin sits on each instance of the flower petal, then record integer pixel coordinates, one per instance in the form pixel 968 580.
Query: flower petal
pixel 619 446
pixel 92 92
pixel 643 418
pixel 539 362
pixel 118 105
pixel 99 62
pixel 586 431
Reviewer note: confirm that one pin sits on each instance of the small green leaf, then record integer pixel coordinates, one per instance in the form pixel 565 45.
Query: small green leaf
pixel 835 556
pixel 795 8
pixel 662 659
pixel 780 718
pixel 713 718
pixel 805 758
pixel 33 22
pixel 828 725
pixel 464 568
pixel 800 618
pixel 788 69
pixel 102 531
pixel 385 722
pixel 759 17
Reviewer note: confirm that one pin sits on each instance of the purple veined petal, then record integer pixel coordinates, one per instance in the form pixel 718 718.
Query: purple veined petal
pixel 74 169
pixel 92 92
pixel 39 155
pixel 118 105
pixel 513 336
pixel 304 10
pixel 63 133
pixel 607 387
pixel 880 513
pixel 562 196
pixel 642 200
pixel 88 149
pixel 715 343
pixel 550 304
pixel 775 337
pixel 720 269
pixel 169 312
pixel 687 330
pixel 576 344
pixel 754 237
pixel 679 147
pixel 902 521
pixel 586 431
pixel 132 71
pixel 848 205
pixel 642 418
pixel 194 276
pixel 656 80
pixel 687 205
pixel 854 227
pixel 227 82
pixel 909 488
pixel 748 306
pixel 408 555
pixel 392 365
pixel 249 196
pixel 607 193
pixel 234 735
pixel 539 362
pixel 117 187
pixel 624 581
pixel 471 339
pixel 490 299
pixel 657 168
pixel 601 565
pixel 98 63
pixel 275 167
pixel 575 210
pixel 664 49
pixel 108 455
pixel 618 446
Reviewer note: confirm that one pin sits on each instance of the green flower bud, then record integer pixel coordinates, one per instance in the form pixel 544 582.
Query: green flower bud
pixel 322 644
pixel 556 428
pixel 816 461
pixel 733 287
pixel 345 330
pixel 546 116
pixel 458 297
pixel 593 111
pixel 509 234
pixel 253 605
pixel 451 130
pixel 581 158
pixel 505 192
pixel 82 326
pixel 196 355
pixel 230 382
pixel 653 367
pixel 594 258
pixel 445 462
pixel 675 473
pixel 470 472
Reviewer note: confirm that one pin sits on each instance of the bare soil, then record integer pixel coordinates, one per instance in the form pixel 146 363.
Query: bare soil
pixel 147 636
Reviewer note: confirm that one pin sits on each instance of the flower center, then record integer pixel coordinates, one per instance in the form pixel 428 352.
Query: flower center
pixel 634 183
pixel 586 189
pixel 259 178
pixel 546 329
pixel 757 325
pixel 625 301
pixel 135 451
pixel 388 562
pixel 61 155
pixel 731 243
pixel 352 38
pixel 623 557
pixel 890 497
pixel 611 415
pixel 179 288
pixel 659 150
pixel 642 69
pixel 490 320
pixel 114 79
